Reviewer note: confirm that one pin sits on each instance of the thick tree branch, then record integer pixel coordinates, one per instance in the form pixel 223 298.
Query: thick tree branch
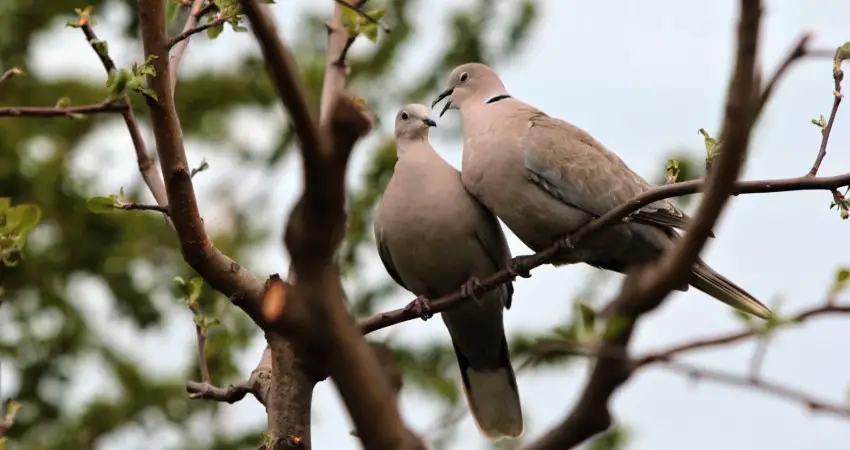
pixel 646 287
pixel 219 271
pixel 315 316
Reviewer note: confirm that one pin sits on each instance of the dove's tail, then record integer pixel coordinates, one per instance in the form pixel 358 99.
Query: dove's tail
pixel 712 283
pixel 493 397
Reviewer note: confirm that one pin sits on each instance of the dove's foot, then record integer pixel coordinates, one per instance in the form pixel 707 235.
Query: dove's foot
pixel 517 269
pixel 421 306
pixel 468 288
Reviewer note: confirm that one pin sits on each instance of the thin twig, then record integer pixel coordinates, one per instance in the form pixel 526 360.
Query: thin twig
pixel 201 334
pixel 837 95
pixel 186 34
pixel 149 171
pixel 108 106
pixel 13 72
pixel 727 378
pixel 142 207
pixel 732 338
pixel 194 16
pixel 231 394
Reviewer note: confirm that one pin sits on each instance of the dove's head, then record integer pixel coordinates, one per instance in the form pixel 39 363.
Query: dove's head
pixel 470 83
pixel 412 122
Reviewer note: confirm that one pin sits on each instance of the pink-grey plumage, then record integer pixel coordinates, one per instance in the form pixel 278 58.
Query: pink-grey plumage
pixel 545 178
pixel 433 237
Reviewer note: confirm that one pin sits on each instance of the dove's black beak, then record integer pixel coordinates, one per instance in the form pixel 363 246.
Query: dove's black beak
pixel 430 122
pixel 446 107
pixel 442 95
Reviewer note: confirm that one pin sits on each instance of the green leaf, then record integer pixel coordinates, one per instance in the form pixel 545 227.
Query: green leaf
pixel 172 10
pixel 842 53
pixel 842 277
pixel 820 123
pixel 370 31
pixel 213 32
pixel 351 21
pixel 101 205
pixel 28 217
pixel 614 327
pixel 100 46
pixel 63 102
pixel 73 24
pixel 117 81
pixel 196 285
pixel 587 315
pixel 121 197
pixel 148 93
pixel 671 170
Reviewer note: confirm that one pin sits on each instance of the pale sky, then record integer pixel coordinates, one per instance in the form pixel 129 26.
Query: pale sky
pixel 642 77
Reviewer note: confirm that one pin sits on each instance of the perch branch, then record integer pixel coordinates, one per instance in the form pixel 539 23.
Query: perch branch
pixel 358 8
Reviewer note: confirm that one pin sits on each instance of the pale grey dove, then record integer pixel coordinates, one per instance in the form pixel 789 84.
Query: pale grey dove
pixel 433 238
pixel 545 178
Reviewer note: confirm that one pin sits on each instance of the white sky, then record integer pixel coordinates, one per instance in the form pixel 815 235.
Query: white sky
pixel 642 77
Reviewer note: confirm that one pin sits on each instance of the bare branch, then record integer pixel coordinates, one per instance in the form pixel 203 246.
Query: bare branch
pixel 732 338
pixel 837 95
pixel 257 385
pixel 142 207
pixel 181 41
pixel 185 35
pixel 727 378
pixel 108 106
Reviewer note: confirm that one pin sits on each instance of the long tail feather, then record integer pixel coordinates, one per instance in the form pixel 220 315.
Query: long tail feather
pixel 712 283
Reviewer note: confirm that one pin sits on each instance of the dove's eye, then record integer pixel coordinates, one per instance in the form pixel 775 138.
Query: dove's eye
pixel 463 77
pixel 404 116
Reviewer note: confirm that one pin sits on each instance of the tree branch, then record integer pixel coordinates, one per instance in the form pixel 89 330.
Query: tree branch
pixel 722 377
pixel 149 172
pixel 108 106
pixel 181 41
pixel 315 316
pixel 141 207
pixel 524 264
pixel 258 385
pixel 219 271
pixel 837 95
